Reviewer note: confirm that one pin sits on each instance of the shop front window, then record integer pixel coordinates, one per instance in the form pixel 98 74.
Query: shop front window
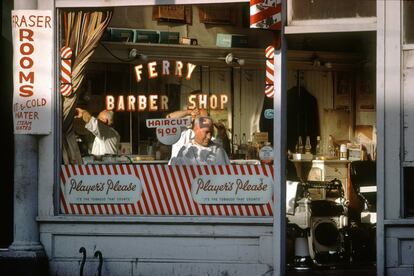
pixel 168 111
pixel 165 114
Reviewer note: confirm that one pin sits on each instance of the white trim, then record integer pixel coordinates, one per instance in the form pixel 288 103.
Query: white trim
pixel 408 164
pixel 124 3
pixel 332 25
pixel 289 12
pixel 335 21
pixel 279 151
pixel 156 219
pixel 404 222
pixel 407 47
pixel 392 109
pixel 367 189
pixel 380 104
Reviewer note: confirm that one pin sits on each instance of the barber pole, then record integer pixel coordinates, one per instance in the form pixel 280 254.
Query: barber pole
pixel 265 14
pixel 270 71
pixel 66 71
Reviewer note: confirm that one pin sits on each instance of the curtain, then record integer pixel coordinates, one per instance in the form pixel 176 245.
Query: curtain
pixel 251 101
pixel 82 31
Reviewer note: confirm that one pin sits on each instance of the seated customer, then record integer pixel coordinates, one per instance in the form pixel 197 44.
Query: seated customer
pixel 201 150
pixel 187 135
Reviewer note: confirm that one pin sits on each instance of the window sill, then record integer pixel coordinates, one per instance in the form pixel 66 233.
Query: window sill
pixel 156 220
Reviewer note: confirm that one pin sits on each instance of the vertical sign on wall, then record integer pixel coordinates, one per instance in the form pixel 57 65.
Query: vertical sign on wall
pixel 32 32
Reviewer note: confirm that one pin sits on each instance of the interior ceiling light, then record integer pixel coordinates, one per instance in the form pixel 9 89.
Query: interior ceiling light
pixel 316 62
pixel 230 59
pixel 133 54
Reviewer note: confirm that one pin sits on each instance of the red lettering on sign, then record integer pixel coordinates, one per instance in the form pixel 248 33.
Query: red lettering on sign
pixel 26 90
pixel 26 62
pixel 39 21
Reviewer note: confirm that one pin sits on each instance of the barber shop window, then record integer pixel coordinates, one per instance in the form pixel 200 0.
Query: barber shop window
pixel 133 98
pixel 151 93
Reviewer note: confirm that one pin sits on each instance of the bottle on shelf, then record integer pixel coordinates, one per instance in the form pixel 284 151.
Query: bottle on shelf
pixel 243 145
pixel 343 152
pixel 318 151
pixel 157 150
pixel 300 145
pixel 266 153
pixel 331 147
pixel 308 146
pixel 235 144
pixel 243 139
pixel 150 148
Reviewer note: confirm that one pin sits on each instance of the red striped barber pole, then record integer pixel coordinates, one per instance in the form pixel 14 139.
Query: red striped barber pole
pixel 270 71
pixel 66 71
pixel 265 14
pixel 166 190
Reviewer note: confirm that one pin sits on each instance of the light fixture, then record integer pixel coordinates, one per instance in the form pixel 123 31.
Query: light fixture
pixel 133 54
pixel 230 59
pixel 328 65
pixel 316 62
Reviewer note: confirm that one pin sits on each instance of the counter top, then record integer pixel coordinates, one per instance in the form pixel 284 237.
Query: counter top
pixel 145 159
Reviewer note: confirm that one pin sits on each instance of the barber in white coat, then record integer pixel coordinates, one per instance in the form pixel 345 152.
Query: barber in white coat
pixel 106 137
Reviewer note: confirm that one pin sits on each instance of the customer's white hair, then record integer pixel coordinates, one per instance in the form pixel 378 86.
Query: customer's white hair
pixel 108 116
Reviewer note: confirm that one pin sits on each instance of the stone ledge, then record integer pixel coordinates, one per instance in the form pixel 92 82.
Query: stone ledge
pixel 23 263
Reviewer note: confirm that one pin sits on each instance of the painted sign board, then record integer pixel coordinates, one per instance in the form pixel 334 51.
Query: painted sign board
pixel 168 130
pixel 232 189
pixel 32 32
pixel 111 188
pixel 164 190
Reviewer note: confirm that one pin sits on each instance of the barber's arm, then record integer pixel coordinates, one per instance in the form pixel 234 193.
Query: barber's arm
pixel 96 127
pixel 83 114
pixel 183 113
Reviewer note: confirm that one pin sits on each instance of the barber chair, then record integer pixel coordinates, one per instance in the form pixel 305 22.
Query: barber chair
pixel 319 225
pixel 329 224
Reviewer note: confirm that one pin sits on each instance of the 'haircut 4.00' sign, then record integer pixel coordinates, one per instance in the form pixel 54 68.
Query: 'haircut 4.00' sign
pixel 32 71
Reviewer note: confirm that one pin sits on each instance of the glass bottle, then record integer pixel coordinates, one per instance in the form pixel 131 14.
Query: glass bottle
pixel 300 145
pixel 318 146
pixel 308 146
pixel 331 147
pixel 243 139
pixel 243 145
pixel 343 152
pixel 235 144
pixel 150 149
pixel 266 153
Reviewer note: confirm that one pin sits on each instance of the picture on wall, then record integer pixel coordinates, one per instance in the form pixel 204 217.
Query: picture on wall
pixel 343 87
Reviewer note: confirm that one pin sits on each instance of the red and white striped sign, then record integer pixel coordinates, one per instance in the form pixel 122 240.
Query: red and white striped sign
pixel 166 190
pixel 270 71
pixel 66 71
pixel 265 14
